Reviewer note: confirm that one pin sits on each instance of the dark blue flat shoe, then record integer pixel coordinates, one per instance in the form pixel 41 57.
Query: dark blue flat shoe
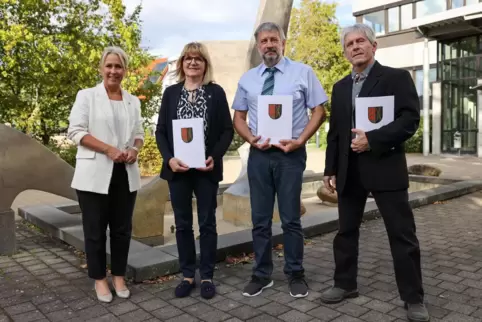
pixel 184 288
pixel 208 290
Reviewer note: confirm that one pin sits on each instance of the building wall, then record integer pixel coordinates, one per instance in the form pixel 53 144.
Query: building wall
pixel 406 56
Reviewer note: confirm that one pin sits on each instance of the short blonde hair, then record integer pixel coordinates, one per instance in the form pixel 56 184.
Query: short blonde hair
pixel 114 50
pixel 201 50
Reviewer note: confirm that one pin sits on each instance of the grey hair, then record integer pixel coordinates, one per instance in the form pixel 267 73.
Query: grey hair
pixel 269 26
pixel 360 28
pixel 115 51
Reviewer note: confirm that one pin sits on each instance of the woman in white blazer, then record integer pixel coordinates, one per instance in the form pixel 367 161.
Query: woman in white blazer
pixel 106 125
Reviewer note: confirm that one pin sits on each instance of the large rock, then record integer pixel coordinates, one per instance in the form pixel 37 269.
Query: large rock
pixel 148 218
pixel 325 195
pixel 424 170
pixel 278 11
pixel 25 164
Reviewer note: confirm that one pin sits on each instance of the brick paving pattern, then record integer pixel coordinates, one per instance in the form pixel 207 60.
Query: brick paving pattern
pixel 45 281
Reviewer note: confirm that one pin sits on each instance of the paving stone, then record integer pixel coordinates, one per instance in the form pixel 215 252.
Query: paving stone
pixel 263 318
pixel 324 313
pixel 302 305
pixel 29 316
pixel 20 308
pixel 227 305
pixel 376 316
pixel 245 312
pixel 352 309
pixel 62 315
pixel 275 308
pixel 183 318
pixel 105 318
pixel 295 316
pixel 136 316
pixel 347 318
pixel 123 307
pixel 214 316
pixel 52 306
pixel 167 312
pixel 152 304
pixel 183 302
pixel 457 317
pixel 81 303
pixel 379 306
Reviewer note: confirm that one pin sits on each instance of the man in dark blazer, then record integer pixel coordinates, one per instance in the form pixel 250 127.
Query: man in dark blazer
pixel 358 163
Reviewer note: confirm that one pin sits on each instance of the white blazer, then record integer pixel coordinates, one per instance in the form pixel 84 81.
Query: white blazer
pixel 92 114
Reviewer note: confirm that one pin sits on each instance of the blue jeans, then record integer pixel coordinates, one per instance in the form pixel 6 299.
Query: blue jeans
pixel 181 189
pixel 275 173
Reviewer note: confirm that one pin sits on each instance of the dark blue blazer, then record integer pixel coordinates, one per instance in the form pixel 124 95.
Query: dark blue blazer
pixel 220 128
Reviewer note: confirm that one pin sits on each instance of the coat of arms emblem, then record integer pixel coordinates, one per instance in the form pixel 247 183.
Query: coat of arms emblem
pixel 375 114
pixel 275 111
pixel 186 134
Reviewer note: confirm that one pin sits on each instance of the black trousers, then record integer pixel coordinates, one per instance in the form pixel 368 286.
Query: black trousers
pixel 181 189
pixel 400 225
pixel 114 210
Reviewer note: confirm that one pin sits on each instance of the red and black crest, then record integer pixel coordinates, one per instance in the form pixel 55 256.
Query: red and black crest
pixel 275 111
pixel 186 134
pixel 375 114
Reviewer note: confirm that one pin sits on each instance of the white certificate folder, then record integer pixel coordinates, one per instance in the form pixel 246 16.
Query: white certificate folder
pixel 275 117
pixel 371 113
pixel 188 139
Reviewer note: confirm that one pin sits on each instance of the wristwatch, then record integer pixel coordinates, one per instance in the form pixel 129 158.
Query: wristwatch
pixel 134 148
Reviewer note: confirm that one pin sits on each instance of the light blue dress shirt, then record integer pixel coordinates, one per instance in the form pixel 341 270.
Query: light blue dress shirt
pixel 292 78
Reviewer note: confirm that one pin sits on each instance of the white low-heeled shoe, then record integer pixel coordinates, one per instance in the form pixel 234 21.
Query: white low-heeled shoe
pixel 103 298
pixel 123 294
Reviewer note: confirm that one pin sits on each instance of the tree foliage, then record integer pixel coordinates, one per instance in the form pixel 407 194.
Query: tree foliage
pixel 313 38
pixel 49 50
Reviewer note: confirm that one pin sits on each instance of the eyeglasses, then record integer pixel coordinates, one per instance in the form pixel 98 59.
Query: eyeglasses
pixel 190 60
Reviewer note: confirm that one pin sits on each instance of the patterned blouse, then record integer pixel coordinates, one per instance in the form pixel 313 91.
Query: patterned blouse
pixel 195 109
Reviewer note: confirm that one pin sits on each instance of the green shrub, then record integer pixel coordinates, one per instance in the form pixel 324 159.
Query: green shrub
pixel 65 149
pixel 415 143
pixel 235 144
pixel 150 160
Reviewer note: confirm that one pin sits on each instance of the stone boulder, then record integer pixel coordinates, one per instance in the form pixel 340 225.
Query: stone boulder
pixel 424 170
pixel 325 195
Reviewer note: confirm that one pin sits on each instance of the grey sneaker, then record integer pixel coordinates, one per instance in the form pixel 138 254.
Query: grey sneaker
pixel 336 295
pixel 417 312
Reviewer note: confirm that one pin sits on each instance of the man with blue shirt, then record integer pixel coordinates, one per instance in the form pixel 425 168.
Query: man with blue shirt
pixel 277 170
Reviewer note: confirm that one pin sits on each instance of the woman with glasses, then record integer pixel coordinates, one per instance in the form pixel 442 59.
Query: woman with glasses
pixel 195 96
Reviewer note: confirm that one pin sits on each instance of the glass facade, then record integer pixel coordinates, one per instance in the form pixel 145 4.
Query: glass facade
pixel 394 19
pixel 430 7
pixel 377 21
pixel 459 68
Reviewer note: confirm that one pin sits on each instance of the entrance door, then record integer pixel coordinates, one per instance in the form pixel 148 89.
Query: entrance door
pixel 460 67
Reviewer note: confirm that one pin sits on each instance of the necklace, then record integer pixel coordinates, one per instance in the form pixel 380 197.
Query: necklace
pixel 192 93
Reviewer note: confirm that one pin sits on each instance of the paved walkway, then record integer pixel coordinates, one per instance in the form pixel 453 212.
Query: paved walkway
pixel 45 281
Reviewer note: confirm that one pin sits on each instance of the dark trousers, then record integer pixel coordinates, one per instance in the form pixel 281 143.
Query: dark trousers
pixel 181 189
pixel 114 210
pixel 275 173
pixel 400 225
